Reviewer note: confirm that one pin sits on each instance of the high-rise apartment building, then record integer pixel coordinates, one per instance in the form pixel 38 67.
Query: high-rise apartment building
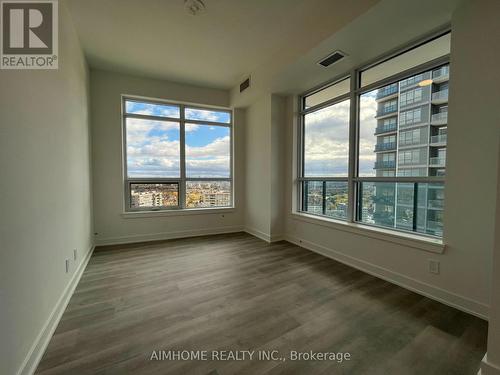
pixel 412 118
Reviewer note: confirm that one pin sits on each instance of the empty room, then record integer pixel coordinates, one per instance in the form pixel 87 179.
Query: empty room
pixel 221 187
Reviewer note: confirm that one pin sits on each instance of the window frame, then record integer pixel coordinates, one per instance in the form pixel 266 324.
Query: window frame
pixel 353 178
pixel 182 179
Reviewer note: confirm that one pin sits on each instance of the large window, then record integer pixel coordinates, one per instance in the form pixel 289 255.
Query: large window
pixel 376 154
pixel 176 156
pixel 325 166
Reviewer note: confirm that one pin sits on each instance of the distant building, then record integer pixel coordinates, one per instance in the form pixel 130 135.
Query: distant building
pixel 147 199
pixel 412 119
pixel 216 198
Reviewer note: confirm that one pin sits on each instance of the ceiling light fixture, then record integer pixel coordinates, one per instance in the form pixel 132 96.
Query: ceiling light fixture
pixel 425 82
pixel 194 6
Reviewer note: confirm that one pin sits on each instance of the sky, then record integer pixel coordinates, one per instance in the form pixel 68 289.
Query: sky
pixel 153 147
pixel 326 139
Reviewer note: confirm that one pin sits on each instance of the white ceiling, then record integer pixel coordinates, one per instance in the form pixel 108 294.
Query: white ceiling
pixel 385 26
pixel 218 48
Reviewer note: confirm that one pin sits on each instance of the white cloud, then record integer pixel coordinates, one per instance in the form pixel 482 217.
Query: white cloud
pixel 158 156
pixel 138 130
pixel 219 147
pixel 327 138
pixel 204 115
pixel 191 127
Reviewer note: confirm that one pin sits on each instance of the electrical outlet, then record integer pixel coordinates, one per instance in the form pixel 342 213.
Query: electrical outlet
pixel 67 265
pixel 434 266
pixel 75 254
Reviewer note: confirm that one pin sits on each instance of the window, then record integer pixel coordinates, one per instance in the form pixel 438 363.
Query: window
pixel 411 97
pixel 410 137
pixel 325 148
pixel 176 156
pixel 408 157
pixel 382 162
pixel 410 117
pixel 326 141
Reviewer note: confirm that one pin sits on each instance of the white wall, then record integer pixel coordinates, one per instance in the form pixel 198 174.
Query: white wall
pixel 264 182
pixel 45 194
pixel 474 122
pixel 110 225
pixel 257 167
pixel 491 361
pixel 277 157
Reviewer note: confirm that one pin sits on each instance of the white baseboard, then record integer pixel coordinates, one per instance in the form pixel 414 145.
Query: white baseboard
pixel 263 236
pixel 35 354
pixel 448 298
pixel 167 235
pixel 277 237
pixel 488 368
pixel 259 234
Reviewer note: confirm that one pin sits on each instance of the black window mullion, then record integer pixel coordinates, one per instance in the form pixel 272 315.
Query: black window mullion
pixel 182 158
pixel 415 205
pixel 323 202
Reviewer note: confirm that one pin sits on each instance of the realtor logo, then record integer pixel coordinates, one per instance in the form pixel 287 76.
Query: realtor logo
pixel 29 37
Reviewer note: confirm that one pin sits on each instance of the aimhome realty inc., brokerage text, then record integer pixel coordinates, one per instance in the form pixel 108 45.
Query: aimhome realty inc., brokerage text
pixel 247 355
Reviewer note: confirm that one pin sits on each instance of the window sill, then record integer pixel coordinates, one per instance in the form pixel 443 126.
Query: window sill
pixel 192 211
pixel 432 245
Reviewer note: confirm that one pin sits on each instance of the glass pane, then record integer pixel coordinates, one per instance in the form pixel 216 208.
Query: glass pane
pixel 326 141
pixel 409 119
pixel 154 195
pixel 313 197
pixel 415 207
pixel 432 50
pixel 152 148
pixel 203 194
pixel 208 115
pixel 151 109
pixel 208 151
pixel 336 199
pixel 330 92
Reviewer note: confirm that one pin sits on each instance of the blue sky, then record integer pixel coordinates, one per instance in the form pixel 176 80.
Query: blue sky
pixel 152 109
pixel 208 151
pixel 207 115
pixel 173 111
pixel 153 147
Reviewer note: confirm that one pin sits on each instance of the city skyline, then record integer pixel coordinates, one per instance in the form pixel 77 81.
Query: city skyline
pixel 199 194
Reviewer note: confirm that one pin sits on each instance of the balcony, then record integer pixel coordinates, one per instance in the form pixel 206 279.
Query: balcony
pixel 412 163
pixel 388 164
pixel 386 128
pixel 440 118
pixel 387 91
pixel 439 140
pixel 441 75
pixel 440 97
pixel 385 112
pixel 437 204
pixel 435 227
pixel 385 146
pixel 437 161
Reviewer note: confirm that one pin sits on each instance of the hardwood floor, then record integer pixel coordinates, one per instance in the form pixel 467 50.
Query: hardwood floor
pixel 236 292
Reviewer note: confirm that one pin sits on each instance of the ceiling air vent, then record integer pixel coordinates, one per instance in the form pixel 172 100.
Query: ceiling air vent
pixel 245 84
pixel 332 58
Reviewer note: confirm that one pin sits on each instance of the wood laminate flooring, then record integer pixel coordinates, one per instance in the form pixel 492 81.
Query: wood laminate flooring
pixel 236 292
